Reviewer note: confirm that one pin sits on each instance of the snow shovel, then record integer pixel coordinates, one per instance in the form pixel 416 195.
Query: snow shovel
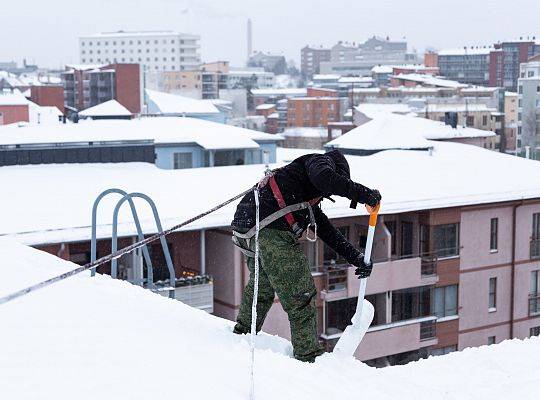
pixel 353 334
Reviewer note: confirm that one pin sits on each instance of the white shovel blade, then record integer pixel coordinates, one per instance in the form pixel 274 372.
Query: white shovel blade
pixel 353 334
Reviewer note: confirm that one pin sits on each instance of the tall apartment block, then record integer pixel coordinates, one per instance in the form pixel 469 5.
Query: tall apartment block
pixel 529 106
pixel 466 65
pixel 86 86
pixel 505 61
pixel 311 58
pixel 153 50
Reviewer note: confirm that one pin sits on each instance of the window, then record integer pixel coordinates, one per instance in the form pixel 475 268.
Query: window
pixel 406 239
pixel 530 74
pixel 536 226
pixel 535 331
pixel 391 226
pixel 492 294
pixel 183 160
pixel 443 350
pixel 446 240
pixel 493 240
pixel 411 303
pixel 470 120
pixel 329 255
pixel 446 301
pixel 491 340
pixel 484 120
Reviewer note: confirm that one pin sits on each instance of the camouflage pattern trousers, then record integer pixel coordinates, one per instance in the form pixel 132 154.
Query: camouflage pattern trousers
pixel 283 270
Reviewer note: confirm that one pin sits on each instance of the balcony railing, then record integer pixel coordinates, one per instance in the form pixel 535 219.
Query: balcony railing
pixel 535 248
pixel 336 277
pixel 428 329
pixel 534 304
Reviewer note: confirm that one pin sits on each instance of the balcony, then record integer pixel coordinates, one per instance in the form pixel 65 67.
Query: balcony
pixel 428 264
pixel 535 249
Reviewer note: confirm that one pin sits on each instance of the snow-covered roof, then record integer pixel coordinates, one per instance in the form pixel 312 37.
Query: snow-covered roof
pixel 382 69
pixel 174 104
pixel 11 79
pixel 366 90
pixel 43 114
pixel 273 115
pixel 462 51
pixel 370 108
pixel 430 80
pixel 209 135
pixel 136 33
pixel 326 77
pixel 409 181
pixel 111 108
pixel 459 107
pixel 312 132
pixel 387 130
pixel 265 106
pixel 356 79
pixel 290 92
pixel 83 67
pixel 63 342
pixel 15 98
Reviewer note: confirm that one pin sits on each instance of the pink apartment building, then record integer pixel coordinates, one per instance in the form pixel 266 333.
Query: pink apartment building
pixel 457 247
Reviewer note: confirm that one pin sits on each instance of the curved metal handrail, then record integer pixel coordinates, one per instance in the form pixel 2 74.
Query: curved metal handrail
pixel 129 197
pixel 93 241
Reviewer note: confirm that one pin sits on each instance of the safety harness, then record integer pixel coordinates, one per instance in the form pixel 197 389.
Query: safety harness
pixel 284 211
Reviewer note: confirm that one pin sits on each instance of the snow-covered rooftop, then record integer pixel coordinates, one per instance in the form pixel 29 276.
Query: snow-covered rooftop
pixel 15 98
pixel 209 135
pixel 52 203
pixel 174 104
pixel 382 69
pixel 98 338
pixel 136 33
pixel 356 79
pixel 387 130
pixel 287 92
pixel 326 77
pixel 370 108
pixel 313 132
pixel 111 108
pixel 430 80
pixel 265 106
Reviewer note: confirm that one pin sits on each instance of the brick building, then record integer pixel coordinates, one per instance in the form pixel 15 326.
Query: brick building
pixel 89 85
pixel 48 95
pixel 13 108
pixel 314 110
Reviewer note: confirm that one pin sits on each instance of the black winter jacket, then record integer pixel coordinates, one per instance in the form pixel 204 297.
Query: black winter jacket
pixel 304 179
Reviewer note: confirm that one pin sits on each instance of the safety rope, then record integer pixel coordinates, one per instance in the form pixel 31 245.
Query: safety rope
pixel 117 254
pixel 255 297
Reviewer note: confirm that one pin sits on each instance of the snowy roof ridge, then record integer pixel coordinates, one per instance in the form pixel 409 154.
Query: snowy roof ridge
pixel 174 104
pixel 109 108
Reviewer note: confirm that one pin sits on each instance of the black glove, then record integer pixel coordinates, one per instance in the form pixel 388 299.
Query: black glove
pixel 373 197
pixel 363 270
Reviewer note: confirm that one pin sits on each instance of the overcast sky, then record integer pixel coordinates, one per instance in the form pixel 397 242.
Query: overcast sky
pixel 46 31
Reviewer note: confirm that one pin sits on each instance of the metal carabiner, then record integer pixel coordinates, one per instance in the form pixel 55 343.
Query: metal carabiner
pixel 314 237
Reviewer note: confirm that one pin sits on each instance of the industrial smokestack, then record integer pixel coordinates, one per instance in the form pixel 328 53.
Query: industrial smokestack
pixel 249 39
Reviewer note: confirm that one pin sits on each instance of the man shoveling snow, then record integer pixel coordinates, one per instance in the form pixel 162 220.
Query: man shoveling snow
pixel 289 204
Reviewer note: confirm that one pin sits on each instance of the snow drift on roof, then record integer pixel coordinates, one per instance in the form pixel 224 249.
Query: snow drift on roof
pixel 430 80
pixel 209 135
pixel 173 104
pixel 408 180
pixel 85 337
pixel 111 108
pixel 14 98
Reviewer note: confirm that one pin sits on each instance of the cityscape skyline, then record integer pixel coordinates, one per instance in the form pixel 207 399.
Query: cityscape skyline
pixel 227 22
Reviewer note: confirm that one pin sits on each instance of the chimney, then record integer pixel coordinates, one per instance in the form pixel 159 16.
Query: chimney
pixel 249 39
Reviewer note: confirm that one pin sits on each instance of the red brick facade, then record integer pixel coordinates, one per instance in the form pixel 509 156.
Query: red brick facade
pixel 10 114
pixel 312 111
pixel 128 88
pixel 48 95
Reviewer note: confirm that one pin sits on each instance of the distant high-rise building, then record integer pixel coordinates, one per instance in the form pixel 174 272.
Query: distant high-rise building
pixel 505 61
pixel 359 59
pixel 529 106
pixel 270 62
pixel 467 65
pixel 89 85
pixel 311 58
pixel 153 50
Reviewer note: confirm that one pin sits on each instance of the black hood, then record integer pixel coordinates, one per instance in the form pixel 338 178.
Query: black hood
pixel 341 163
